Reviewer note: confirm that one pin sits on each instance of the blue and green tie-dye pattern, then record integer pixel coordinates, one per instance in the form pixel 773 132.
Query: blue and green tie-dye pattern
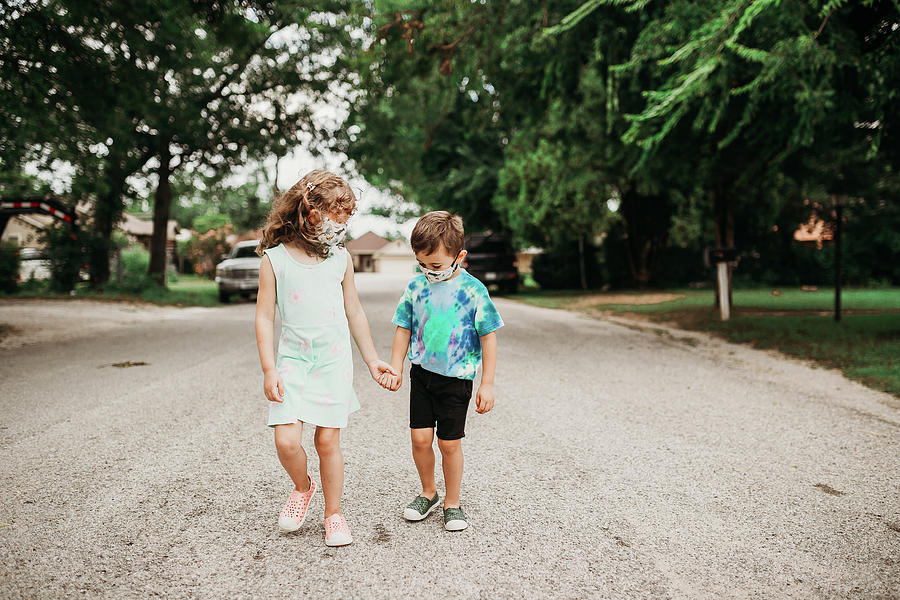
pixel 446 320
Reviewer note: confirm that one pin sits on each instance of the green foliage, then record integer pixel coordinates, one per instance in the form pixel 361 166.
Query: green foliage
pixel 9 268
pixel 208 203
pixel 114 87
pixel 131 275
pixel 204 223
pixel 559 268
pixel 66 254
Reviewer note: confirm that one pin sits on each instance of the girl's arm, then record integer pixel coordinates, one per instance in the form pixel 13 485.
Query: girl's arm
pixel 273 387
pixel 484 400
pixel 359 325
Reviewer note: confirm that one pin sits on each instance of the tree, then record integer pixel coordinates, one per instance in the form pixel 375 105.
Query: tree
pixel 755 84
pixel 166 84
pixel 488 116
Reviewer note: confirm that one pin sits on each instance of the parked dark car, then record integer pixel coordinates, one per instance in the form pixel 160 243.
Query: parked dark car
pixel 492 260
pixel 239 272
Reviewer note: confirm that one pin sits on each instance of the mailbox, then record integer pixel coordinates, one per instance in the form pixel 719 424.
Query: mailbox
pixel 713 256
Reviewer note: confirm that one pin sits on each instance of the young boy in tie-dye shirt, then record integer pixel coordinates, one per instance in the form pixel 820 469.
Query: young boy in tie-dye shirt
pixel 446 323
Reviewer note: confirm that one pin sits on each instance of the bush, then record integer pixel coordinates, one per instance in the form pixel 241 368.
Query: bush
pixel 9 268
pixel 205 251
pixel 558 267
pixel 131 274
pixel 66 255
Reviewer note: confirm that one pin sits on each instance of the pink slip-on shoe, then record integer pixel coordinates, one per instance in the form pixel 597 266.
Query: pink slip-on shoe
pixel 294 512
pixel 337 532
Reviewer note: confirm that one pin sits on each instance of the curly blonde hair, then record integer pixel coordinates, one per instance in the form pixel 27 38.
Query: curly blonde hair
pixel 296 215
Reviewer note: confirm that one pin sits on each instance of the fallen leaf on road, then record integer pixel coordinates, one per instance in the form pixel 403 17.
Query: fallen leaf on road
pixel 130 363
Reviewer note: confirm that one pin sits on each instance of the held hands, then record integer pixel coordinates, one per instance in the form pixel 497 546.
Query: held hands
pixel 391 380
pixel 484 400
pixel 381 372
pixel 273 386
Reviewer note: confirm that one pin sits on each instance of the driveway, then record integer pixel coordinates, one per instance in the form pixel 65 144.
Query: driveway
pixel 618 462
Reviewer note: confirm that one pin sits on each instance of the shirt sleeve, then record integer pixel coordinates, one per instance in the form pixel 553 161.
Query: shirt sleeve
pixel 403 314
pixel 487 318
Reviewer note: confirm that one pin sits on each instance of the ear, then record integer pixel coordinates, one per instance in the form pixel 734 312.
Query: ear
pixel 314 217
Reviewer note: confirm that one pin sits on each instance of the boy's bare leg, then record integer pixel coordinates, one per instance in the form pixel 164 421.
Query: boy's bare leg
pixel 331 467
pixel 423 455
pixel 288 438
pixel 452 463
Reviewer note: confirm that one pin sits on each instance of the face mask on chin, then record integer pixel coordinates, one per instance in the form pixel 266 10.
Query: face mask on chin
pixel 436 276
pixel 331 233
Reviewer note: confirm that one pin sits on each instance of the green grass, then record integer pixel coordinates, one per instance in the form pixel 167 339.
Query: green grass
pixel 866 347
pixel 789 299
pixel 187 290
pixel 865 344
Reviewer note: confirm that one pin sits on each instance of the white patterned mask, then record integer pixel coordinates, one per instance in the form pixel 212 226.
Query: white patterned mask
pixel 331 233
pixel 436 276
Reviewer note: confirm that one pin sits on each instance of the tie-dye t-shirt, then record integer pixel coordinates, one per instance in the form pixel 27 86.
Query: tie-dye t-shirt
pixel 445 320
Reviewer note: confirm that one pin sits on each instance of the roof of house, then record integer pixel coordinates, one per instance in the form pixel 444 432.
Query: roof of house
pixel 367 243
pixel 397 248
pixel 137 226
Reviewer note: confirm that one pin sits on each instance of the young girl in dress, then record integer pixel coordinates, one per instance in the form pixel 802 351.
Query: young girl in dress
pixel 310 278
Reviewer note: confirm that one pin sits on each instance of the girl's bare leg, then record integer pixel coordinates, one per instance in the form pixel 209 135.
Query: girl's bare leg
pixel 423 455
pixel 288 439
pixel 331 467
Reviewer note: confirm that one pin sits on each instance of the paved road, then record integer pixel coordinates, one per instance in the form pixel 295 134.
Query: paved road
pixel 618 463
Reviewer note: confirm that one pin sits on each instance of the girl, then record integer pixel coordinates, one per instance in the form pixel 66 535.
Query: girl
pixel 310 278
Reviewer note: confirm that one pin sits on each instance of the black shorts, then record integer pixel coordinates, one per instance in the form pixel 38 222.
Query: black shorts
pixel 435 398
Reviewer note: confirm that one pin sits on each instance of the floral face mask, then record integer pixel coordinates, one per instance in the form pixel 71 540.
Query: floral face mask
pixel 331 233
pixel 436 276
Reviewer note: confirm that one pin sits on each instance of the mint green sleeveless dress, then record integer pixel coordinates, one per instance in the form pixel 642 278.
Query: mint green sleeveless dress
pixel 314 358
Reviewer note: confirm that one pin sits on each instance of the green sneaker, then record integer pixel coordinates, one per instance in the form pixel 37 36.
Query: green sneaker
pixel 454 519
pixel 420 508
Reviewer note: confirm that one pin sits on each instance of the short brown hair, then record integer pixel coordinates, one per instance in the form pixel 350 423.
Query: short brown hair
pixel 438 228
pixel 295 216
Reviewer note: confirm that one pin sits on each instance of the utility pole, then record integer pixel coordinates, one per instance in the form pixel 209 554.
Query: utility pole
pixel 839 213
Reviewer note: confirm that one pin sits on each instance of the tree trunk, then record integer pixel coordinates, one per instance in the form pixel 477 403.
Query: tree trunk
pixel 581 270
pixel 162 201
pixel 647 220
pixel 107 211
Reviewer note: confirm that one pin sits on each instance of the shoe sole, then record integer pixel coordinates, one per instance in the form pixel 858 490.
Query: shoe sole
pixel 291 527
pixel 411 515
pixel 338 540
pixel 455 525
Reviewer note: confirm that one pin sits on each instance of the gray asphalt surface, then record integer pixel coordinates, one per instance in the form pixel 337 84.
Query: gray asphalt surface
pixel 617 463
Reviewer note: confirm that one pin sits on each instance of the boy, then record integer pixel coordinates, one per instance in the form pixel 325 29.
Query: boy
pixel 446 321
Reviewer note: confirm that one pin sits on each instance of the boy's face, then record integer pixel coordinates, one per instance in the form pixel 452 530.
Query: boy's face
pixel 438 260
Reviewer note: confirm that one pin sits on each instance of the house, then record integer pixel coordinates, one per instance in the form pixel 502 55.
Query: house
pixel 25 230
pixel 140 229
pixel 395 257
pixel 363 249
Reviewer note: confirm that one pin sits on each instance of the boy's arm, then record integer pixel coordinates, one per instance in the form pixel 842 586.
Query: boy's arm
pixel 484 400
pixel 398 355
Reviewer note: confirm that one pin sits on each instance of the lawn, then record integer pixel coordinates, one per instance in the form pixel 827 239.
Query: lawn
pixel 865 344
pixel 185 290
